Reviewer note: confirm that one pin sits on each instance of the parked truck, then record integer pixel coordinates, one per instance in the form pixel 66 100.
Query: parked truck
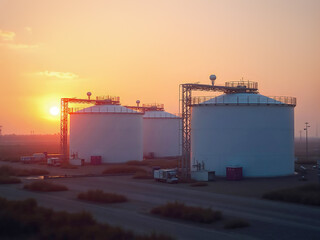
pixel 166 175
pixel 54 161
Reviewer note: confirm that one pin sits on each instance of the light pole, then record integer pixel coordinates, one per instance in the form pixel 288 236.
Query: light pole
pixel 306 129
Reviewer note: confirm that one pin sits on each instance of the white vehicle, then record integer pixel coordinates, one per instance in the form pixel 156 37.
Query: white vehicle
pixel 39 157
pixel 54 161
pixel 166 175
pixel 27 159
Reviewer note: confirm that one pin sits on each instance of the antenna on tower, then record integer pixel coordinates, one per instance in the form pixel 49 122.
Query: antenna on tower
pixel 89 95
pixel 213 78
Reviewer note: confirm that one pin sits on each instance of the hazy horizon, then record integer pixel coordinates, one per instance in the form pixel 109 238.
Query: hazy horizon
pixel 144 49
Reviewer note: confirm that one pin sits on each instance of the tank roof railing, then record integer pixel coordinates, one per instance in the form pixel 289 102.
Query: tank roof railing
pixel 100 109
pixel 242 84
pixel 108 100
pixel 153 107
pixel 252 100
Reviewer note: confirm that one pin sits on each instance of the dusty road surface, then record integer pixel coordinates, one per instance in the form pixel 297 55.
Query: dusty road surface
pixel 268 219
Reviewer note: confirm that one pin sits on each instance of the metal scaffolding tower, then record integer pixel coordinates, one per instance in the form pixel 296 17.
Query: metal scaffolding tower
pixel 185 102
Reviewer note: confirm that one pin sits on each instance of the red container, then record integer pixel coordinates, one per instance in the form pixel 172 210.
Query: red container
pixel 96 160
pixel 234 173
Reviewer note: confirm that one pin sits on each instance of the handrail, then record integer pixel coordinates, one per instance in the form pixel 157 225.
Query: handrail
pixel 244 84
pixel 254 99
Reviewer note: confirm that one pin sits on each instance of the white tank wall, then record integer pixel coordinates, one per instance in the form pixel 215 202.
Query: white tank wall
pixel 117 137
pixel 259 138
pixel 161 136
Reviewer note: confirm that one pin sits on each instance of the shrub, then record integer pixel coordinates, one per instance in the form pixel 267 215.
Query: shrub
pixel 199 184
pixel 123 169
pixel 102 197
pixel 26 220
pixel 236 223
pixel 43 186
pixel 4 179
pixel 308 194
pixel 180 211
pixel 142 175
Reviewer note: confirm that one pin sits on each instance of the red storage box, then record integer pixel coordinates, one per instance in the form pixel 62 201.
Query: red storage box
pixel 234 173
pixel 96 160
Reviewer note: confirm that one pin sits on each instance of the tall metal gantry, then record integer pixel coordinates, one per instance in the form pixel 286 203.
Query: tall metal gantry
pixel 65 111
pixel 64 116
pixel 185 102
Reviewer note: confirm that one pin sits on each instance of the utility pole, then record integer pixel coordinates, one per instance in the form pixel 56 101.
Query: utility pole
pixel 306 129
pixel 300 136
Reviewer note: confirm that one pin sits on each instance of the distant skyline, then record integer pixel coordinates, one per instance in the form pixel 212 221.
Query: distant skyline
pixel 144 49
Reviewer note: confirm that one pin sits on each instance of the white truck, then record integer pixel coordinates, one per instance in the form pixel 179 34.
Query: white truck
pixel 54 161
pixel 166 175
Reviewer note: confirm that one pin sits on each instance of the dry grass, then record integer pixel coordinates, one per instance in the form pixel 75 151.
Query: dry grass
pixel 199 184
pixel 26 220
pixel 4 179
pixel 10 171
pixel 122 169
pixel 136 163
pixel 142 175
pixel 43 186
pixel 236 223
pixel 68 166
pixel 308 194
pixel 164 163
pixel 10 159
pixel 102 197
pixel 181 211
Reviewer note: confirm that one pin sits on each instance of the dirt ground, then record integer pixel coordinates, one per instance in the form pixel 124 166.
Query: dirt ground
pixel 247 187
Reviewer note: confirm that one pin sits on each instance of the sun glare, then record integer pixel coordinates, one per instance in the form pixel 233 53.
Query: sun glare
pixel 54 111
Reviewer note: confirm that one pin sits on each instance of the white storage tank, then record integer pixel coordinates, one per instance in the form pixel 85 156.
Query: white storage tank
pixel 245 130
pixel 110 131
pixel 161 134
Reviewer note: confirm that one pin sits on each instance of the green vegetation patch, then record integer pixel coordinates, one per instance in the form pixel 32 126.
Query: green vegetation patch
pixel 199 184
pixel 308 194
pixel 10 171
pixel 26 220
pixel 101 197
pixel 181 211
pixel 43 186
pixel 4 179
pixel 123 169
pixel 236 223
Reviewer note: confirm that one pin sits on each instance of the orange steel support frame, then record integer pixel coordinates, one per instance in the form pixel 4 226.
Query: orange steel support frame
pixel 64 113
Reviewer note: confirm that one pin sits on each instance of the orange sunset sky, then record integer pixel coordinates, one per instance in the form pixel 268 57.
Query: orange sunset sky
pixel 143 49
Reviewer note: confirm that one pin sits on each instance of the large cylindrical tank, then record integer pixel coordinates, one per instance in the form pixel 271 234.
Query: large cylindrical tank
pixel 161 136
pixel 110 131
pixel 245 130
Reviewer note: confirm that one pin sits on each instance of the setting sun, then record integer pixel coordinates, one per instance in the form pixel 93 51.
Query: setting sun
pixel 54 111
